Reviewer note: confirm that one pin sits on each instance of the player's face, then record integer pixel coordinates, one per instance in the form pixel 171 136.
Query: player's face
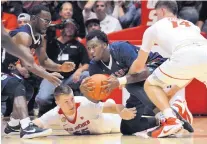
pixel 96 49
pixel 44 20
pixel 66 102
pixel 160 13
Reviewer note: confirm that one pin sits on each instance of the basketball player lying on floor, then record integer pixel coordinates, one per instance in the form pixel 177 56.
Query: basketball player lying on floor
pixel 79 116
pixel 115 59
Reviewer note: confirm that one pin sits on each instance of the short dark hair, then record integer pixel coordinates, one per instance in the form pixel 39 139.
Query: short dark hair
pixel 62 89
pixel 99 34
pixel 35 10
pixel 171 5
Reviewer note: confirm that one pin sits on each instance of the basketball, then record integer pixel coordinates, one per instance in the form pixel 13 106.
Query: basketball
pixel 98 94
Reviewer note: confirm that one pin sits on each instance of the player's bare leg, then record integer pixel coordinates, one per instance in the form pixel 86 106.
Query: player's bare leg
pixel 172 125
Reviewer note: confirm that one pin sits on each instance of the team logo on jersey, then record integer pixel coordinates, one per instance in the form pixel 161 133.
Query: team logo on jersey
pixel 63 119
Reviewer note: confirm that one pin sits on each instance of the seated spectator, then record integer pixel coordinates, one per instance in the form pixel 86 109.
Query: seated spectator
pixel 202 22
pixel 65 12
pixel 108 23
pixel 92 23
pixel 62 49
pixel 12 7
pixel 22 19
pixel 9 21
pixel 128 13
pixel 187 10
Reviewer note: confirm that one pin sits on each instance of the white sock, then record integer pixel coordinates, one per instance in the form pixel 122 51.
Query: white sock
pixel 13 122
pixel 25 122
pixel 180 95
pixel 168 113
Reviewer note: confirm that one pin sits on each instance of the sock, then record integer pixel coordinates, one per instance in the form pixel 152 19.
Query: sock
pixel 168 113
pixel 13 122
pixel 180 95
pixel 25 122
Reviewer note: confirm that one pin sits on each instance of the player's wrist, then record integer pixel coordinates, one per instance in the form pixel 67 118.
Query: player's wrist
pixel 122 80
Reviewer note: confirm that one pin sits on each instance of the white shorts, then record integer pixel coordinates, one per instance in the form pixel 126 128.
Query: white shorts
pixel 184 65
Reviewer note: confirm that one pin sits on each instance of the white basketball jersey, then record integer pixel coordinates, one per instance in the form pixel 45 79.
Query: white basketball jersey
pixel 88 119
pixel 171 34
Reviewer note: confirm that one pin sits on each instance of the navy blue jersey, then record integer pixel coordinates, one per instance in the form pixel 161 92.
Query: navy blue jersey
pixel 36 41
pixel 10 59
pixel 123 55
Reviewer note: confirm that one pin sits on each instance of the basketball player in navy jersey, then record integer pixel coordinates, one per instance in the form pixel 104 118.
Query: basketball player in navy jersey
pixel 29 36
pixel 18 51
pixel 115 59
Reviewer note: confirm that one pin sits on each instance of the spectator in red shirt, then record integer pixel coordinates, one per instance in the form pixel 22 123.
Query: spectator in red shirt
pixel 9 21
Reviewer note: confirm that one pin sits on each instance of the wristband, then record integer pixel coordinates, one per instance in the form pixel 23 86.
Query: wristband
pixel 122 80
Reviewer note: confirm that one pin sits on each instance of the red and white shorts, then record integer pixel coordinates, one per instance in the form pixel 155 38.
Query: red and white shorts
pixel 184 65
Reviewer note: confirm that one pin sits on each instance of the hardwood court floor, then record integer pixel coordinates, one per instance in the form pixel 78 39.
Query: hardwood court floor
pixel 199 137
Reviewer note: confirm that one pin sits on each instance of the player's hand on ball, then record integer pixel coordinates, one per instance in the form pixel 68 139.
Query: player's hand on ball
pixel 128 113
pixel 87 86
pixel 110 84
pixel 67 67
pixel 54 78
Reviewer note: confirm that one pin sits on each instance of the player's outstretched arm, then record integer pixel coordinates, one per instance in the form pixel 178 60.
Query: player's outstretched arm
pixel 125 113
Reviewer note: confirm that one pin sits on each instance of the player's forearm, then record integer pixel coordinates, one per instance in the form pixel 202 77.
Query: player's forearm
pixel 50 65
pixel 133 78
pixel 113 108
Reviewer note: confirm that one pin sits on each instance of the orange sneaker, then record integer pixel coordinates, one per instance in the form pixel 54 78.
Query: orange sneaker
pixel 169 127
pixel 183 113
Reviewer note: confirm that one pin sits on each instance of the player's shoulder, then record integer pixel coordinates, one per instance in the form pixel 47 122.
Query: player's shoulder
pixel 123 48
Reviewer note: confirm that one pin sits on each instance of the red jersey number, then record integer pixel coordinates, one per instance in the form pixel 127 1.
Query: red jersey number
pixel 176 24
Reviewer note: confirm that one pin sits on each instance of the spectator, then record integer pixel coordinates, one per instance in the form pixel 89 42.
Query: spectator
pixel 108 23
pixel 188 10
pixel 65 12
pixel 62 49
pixel 128 13
pixel 9 21
pixel 22 19
pixel 12 7
pixel 202 23
pixel 92 23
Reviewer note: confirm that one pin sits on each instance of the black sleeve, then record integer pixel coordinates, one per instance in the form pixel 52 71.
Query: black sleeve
pixel 83 55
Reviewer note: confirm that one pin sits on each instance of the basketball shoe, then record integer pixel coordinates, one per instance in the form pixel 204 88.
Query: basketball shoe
pixel 12 129
pixel 33 131
pixel 182 108
pixel 168 127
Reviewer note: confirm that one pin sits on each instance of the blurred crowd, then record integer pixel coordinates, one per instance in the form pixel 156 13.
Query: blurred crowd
pixel 86 16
